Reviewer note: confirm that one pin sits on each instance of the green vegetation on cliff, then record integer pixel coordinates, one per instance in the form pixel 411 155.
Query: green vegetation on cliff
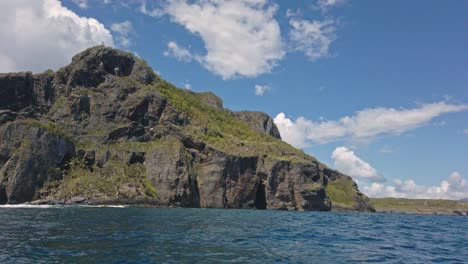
pixel 342 192
pixel 221 130
pixel 50 127
pixel 114 181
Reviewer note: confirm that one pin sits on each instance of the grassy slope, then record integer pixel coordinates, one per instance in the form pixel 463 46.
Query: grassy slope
pixel 113 181
pixel 222 131
pixel 421 206
pixel 342 192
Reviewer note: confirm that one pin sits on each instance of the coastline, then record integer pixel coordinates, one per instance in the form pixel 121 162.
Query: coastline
pixel 420 206
pixel 382 205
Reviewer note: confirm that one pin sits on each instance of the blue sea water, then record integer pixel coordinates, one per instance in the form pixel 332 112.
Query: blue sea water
pixel 155 235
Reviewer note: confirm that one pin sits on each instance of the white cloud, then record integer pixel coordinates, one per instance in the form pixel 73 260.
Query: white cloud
pixel 260 90
pixel 454 188
pixel 241 37
pixel 43 34
pixel 81 3
pixel 349 163
pixel 364 125
pixel 188 86
pixel 292 13
pixel 156 12
pixel 386 149
pixel 180 53
pixel 324 5
pixel 313 38
pixel 123 30
pixel 291 132
pixel 380 190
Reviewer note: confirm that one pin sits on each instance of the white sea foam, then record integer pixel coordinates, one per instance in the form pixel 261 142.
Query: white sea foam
pixel 103 205
pixel 57 206
pixel 29 206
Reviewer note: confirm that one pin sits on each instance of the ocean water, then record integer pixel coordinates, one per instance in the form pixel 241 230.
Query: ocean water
pixel 154 235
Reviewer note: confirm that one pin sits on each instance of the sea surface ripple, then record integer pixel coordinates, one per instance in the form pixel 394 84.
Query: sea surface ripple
pixel 155 235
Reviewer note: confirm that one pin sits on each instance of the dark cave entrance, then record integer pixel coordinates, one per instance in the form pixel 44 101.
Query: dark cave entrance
pixel 3 196
pixel 260 197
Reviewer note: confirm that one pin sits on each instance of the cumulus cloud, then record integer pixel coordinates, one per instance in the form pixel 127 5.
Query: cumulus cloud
pixel 41 34
pixel 123 31
pixel 260 90
pixel 363 125
pixel 180 53
pixel 241 37
pixel 349 163
pixel 455 187
pixel 292 132
pixel 313 38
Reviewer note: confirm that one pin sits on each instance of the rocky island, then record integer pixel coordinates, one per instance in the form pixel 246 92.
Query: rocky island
pixel 106 129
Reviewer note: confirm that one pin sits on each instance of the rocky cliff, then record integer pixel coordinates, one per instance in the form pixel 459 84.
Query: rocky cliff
pixel 107 129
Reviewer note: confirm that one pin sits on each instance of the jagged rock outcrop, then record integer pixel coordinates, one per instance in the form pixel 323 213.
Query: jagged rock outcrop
pixel 345 193
pixel 107 129
pixel 259 121
pixel 210 99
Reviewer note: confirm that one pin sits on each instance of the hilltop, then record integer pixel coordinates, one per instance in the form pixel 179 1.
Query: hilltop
pixel 107 129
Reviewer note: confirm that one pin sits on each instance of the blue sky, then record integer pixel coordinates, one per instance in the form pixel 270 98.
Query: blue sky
pixel 376 89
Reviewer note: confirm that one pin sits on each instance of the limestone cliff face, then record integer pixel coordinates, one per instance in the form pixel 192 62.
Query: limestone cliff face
pixel 106 128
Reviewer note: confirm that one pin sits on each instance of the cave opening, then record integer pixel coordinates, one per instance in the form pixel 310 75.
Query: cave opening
pixel 3 196
pixel 260 197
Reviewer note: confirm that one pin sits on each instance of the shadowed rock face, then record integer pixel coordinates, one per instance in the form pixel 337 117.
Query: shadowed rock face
pixel 17 91
pixel 29 156
pixel 24 91
pixel 107 129
pixel 208 178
